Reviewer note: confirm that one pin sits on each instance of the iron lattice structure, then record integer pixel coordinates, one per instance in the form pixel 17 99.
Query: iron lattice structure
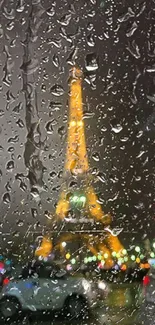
pixel 79 216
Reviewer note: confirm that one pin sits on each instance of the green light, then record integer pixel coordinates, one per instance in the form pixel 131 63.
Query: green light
pixel 94 258
pixel 85 260
pixel 124 251
pixel 141 256
pixel 105 255
pixel 83 199
pixel 125 258
pixel 114 254
pixel 137 249
pixel 99 257
pixel 153 245
pixel 73 261
pixel 120 260
pixel 152 254
pixel 133 257
pixel 74 198
pixel 89 259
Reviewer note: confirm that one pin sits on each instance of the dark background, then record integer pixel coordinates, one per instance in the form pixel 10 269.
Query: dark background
pixel 114 43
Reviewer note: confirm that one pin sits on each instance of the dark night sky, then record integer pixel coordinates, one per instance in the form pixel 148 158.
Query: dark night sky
pixel 114 45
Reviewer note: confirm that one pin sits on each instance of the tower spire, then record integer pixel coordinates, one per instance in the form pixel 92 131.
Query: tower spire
pixel 76 157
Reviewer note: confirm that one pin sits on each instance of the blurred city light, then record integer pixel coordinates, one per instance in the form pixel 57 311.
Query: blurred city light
pixel 73 261
pixel 133 257
pixel 68 256
pixel 137 249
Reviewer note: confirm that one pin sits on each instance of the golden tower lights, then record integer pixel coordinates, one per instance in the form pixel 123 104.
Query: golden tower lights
pixel 76 164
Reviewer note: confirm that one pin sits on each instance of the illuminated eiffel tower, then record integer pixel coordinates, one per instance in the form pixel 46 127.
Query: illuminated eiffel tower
pixel 78 201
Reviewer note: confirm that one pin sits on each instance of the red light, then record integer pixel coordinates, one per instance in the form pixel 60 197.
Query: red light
pixel 1 265
pixel 6 281
pixel 100 265
pixel 123 267
pixel 146 280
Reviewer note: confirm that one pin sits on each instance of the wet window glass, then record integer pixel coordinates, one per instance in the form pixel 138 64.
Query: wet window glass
pixel 77 124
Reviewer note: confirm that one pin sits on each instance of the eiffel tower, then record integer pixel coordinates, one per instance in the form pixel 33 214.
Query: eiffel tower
pixel 79 215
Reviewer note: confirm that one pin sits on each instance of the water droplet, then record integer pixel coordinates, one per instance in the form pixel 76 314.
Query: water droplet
pixel 10 25
pixel 124 139
pixel 43 88
pixel 151 68
pixel 10 166
pixel 132 29
pixel 23 186
pixel 49 127
pixel 96 156
pixel 91 62
pixel 20 6
pixel 18 108
pixel 139 134
pixel 57 90
pixel 90 26
pixel 139 206
pixel 54 41
pixel 34 213
pixel 65 20
pixel 53 174
pixel 1 113
pixel 140 154
pixel 117 128
pixel 127 15
pixel 91 40
pixel 15 139
pixel 51 11
pixel 1 31
pixel 20 223
pixel 20 123
pixel 143 6
pixel 8 187
pixel 11 149
pixel 61 131
pixel 91 13
pixel 56 60
pixel 6 198
pixel 114 197
pixel 60 174
pixel 45 59
pixel 72 56
pixel 35 194
pixel 55 106
pixel 9 14
pixel 90 79
pixel 101 177
pixel 87 115
pixel 133 48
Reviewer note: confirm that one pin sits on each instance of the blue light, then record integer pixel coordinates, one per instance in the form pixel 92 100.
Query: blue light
pixel 29 285
pixel 116 267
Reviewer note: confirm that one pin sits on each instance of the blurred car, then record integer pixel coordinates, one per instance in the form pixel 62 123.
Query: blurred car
pixel 146 313
pixel 46 287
